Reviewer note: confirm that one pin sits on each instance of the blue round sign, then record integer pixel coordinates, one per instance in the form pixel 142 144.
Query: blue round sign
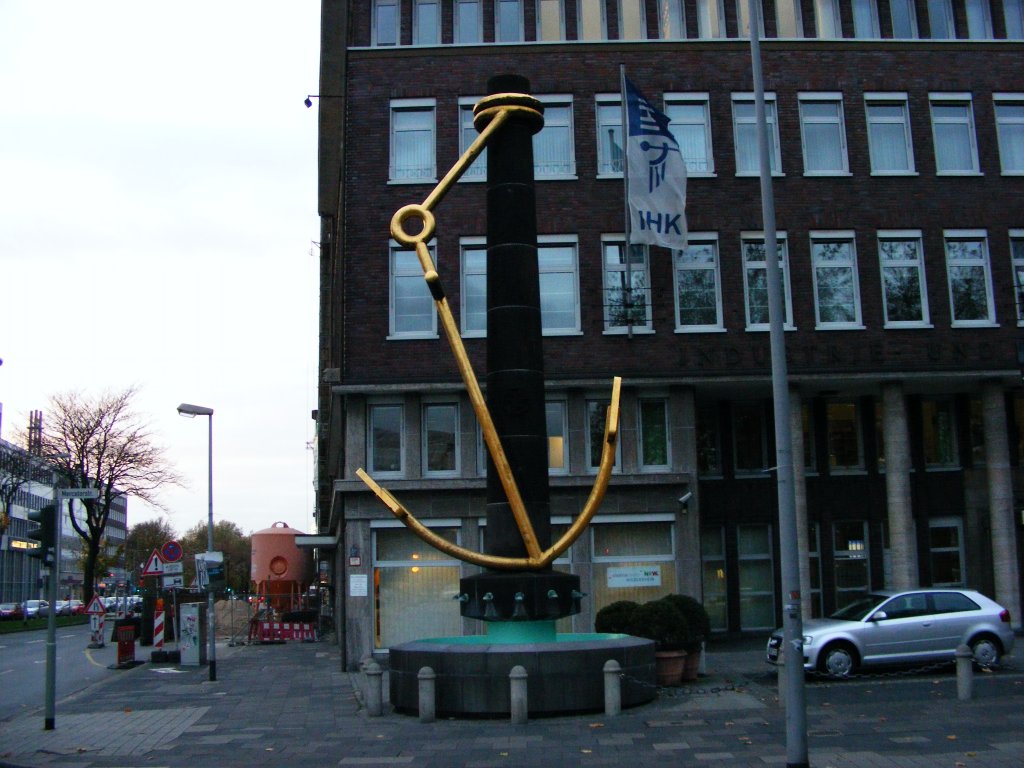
pixel 171 552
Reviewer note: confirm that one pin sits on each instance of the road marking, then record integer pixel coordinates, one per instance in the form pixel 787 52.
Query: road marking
pixel 92 661
pixel 5 671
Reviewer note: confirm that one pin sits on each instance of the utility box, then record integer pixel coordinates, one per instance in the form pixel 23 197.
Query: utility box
pixel 192 633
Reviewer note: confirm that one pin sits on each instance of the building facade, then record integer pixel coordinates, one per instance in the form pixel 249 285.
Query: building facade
pixel 897 153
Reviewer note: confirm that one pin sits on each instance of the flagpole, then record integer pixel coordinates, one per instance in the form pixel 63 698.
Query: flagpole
pixel 626 251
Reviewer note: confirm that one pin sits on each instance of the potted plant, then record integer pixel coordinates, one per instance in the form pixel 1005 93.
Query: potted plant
pixel 698 629
pixel 615 617
pixel 665 624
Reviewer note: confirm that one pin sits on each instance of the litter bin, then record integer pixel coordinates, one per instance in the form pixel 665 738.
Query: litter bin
pixel 124 631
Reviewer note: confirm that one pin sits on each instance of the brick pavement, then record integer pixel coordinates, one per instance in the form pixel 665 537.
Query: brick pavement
pixel 291 705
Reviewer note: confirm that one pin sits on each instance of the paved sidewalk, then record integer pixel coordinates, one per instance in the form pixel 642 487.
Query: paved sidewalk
pixel 291 705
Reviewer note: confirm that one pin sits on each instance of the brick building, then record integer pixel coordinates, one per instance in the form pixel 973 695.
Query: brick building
pixel 898 159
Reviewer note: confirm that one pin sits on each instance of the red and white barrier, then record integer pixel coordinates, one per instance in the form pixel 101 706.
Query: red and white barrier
pixel 279 631
pixel 158 630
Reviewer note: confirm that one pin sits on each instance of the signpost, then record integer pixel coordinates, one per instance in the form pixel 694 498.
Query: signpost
pixel 97 611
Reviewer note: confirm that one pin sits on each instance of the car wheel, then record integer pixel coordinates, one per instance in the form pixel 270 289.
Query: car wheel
pixel 837 660
pixel 985 650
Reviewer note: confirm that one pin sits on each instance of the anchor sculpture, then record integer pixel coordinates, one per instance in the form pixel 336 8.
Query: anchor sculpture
pixel 519 584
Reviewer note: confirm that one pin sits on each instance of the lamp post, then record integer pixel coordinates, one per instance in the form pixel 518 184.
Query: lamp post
pixel 191 411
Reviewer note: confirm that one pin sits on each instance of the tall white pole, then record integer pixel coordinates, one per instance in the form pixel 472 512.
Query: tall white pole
pixel 792 620
pixel 210 609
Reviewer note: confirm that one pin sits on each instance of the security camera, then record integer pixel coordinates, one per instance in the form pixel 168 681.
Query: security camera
pixel 308 102
pixel 685 498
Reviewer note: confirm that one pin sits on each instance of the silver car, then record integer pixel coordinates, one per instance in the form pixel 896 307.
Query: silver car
pixel 908 627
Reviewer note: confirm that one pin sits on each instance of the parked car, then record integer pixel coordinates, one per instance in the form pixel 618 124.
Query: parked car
pixel 70 607
pixel 903 627
pixel 35 609
pixel 10 611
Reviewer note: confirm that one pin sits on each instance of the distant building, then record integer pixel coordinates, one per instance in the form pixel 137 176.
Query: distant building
pixel 897 148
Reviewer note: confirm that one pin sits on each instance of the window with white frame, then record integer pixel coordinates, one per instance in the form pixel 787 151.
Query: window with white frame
pixel 508 21
pixel 628 546
pixel 865 20
pixel 474 286
pixel 743 20
pixel 385 22
pixel 940 20
pixel 550 20
pixel 591 23
pixel 627 286
pixel 610 146
pixel 671 20
pixel 412 308
pixel 426 26
pixel 755 279
pixel 652 419
pixel 970 278
pixel 755 563
pixel 1017 254
pixel 440 436
pixel 946 551
pixel 467 135
pixel 698 285
pixel 555 415
pixel 904 298
pixel 823 134
pixel 938 433
pixel 632 20
pixel 1009 109
pixel 412 140
pixel 559 285
pixel 836 288
pixel 597 416
pixel 956 150
pixel 744 124
pixel 904 19
pixel 385 438
pixel 713 580
pixel 826 19
pixel 710 19
pixel 979 19
pixel 690 123
pixel 554 155
pixel 1013 18
pixel 468 22
pixel 788 19
pixel 889 143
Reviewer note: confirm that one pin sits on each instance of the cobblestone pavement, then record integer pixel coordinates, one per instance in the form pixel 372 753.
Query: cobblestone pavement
pixel 292 705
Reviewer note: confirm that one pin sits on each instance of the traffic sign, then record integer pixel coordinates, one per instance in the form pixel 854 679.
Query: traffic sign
pixel 79 493
pixel 174 581
pixel 174 569
pixel 171 551
pixel 154 566
pixel 96 607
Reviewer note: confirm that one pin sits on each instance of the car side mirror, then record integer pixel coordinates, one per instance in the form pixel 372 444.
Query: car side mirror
pixel 879 616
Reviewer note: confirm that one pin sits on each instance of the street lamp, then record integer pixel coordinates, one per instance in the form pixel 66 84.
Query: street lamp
pixel 191 411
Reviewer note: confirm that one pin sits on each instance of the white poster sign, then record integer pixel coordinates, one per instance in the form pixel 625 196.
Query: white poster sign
pixel 358 585
pixel 634 576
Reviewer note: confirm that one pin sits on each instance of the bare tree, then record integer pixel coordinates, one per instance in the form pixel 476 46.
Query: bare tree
pixel 101 442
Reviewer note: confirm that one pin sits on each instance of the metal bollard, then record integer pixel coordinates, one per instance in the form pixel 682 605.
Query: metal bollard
pixel 964 673
pixel 612 688
pixel 517 688
pixel 427 698
pixel 374 689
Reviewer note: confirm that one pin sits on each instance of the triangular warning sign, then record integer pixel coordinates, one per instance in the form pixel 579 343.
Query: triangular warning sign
pixel 154 566
pixel 96 606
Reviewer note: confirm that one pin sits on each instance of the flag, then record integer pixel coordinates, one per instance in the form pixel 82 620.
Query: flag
pixel 657 175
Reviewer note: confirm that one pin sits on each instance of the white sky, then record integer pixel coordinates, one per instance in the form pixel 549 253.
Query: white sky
pixel 157 213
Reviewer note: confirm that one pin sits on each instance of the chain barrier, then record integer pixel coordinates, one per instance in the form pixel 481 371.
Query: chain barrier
pixel 947 665
pixel 677 691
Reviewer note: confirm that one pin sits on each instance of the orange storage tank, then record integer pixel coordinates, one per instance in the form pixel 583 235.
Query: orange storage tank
pixel 280 570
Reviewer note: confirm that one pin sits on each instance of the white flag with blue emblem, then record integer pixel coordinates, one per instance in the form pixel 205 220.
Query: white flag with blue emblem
pixel 657 175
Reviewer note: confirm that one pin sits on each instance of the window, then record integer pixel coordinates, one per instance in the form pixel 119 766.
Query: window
pixel 743 20
pixel 889 133
pixel 810 463
pixel 412 140
pixel 474 287
pixel 1009 110
pixel 412 308
pixel 559 285
pixel 750 438
pixel 632 20
pixel 826 18
pixel 713 565
pixel 905 300
pixel 814 563
pixel 757 591
pixel 979 20
pixel 653 433
pixel 865 20
pixel 508 21
pixel 970 282
pixel 440 439
pixel 467 135
pixel 591 23
pixel 904 19
pixel 940 20
pixel 744 125
pixel 385 22
pixel 976 432
pixel 690 123
pixel 1013 16
pixel 852 563
pixel 845 451
pixel 550 20
pixel 385 448
pixel 788 19
pixel 755 280
pixel 627 287
pixel 610 145
pixel 939 433
pixel 633 559
pixel 597 415
pixel 823 134
pixel 953 132
pixel 836 289
pixel 698 286
pixel 553 151
pixel 426 29
pixel 671 20
pixel 468 21
pixel 710 19
pixel 558 437
pixel 709 454
pixel 1017 254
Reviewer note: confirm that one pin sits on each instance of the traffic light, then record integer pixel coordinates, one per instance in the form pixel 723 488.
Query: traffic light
pixel 43 532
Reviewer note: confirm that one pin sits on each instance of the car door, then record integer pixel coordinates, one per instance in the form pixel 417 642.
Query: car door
pixel 897 630
pixel 953 615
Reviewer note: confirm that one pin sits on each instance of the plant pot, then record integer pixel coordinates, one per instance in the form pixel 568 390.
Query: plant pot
pixel 691 666
pixel 668 667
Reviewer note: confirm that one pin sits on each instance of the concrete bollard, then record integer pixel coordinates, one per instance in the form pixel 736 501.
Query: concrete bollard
pixel 374 689
pixel 964 673
pixel 427 695
pixel 517 689
pixel 612 688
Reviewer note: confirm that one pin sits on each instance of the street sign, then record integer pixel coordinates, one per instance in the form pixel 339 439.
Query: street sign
pixel 174 569
pixel 154 566
pixel 79 493
pixel 96 607
pixel 176 581
pixel 171 552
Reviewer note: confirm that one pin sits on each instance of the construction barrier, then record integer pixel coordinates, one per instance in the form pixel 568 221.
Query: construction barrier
pixel 125 645
pixel 279 631
pixel 158 630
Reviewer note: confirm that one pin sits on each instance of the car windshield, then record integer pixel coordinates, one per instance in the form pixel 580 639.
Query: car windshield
pixel 859 609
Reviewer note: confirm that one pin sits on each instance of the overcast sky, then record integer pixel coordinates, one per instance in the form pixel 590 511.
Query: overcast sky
pixel 157 217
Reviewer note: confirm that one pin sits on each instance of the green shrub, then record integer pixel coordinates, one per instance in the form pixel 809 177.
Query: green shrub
pixel 697 619
pixel 661 622
pixel 615 617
